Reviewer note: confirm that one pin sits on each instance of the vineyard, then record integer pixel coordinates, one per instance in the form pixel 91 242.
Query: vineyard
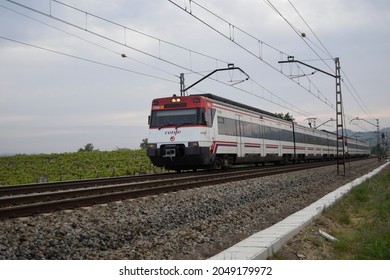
pixel 26 169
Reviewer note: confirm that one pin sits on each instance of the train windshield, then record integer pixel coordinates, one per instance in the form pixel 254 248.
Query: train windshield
pixel 177 117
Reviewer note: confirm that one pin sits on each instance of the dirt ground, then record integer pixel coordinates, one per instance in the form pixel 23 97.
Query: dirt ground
pixel 309 244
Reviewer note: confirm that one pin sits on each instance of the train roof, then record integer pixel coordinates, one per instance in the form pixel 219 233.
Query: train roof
pixel 234 103
pixel 244 106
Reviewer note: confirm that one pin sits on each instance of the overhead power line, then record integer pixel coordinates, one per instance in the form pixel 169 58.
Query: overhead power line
pixel 325 50
pixel 232 35
pixel 272 98
pixel 302 35
pixel 86 59
pixel 122 42
pixel 311 30
pixel 89 41
pixel 258 53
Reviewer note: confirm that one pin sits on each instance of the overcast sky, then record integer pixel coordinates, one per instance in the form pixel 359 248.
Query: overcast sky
pixel 64 83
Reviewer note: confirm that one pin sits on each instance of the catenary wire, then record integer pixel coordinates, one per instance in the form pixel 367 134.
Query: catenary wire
pixel 325 50
pixel 86 59
pixel 323 98
pixel 88 41
pixel 51 16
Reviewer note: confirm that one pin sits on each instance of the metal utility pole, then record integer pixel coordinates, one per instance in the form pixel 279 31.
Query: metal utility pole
pixel 339 111
pixel 378 145
pixel 339 120
pixel 383 144
pixel 182 86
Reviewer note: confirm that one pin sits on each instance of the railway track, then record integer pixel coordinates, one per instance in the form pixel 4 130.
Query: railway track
pixel 26 200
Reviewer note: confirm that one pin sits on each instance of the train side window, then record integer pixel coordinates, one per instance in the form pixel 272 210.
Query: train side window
pixel 267 132
pixel 286 135
pixel 247 129
pixel 210 115
pixel 227 126
pixel 276 134
pixel 300 137
pixel 256 131
pixel 272 133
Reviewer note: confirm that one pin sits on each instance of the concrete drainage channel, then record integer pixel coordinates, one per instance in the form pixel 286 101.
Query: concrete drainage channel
pixel 265 243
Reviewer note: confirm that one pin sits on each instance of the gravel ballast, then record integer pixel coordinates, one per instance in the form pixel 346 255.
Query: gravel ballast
pixel 190 224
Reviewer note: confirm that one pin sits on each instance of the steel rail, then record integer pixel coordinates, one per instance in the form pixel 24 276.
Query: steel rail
pixel 77 184
pixel 12 190
pixel 24 205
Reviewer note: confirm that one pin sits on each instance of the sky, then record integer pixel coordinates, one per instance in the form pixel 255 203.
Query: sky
pixel 77 72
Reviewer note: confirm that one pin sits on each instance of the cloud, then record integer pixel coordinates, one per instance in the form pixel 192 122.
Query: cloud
pixel 50 102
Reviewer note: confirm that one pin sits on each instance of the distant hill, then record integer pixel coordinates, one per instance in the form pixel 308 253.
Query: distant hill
pixel 369 135
pixel 366 136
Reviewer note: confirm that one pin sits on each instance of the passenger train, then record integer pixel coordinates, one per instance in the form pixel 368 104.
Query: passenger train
pixel 210 132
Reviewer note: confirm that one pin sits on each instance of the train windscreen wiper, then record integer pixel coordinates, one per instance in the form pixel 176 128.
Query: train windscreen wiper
pixel 188 123
pixel 165 125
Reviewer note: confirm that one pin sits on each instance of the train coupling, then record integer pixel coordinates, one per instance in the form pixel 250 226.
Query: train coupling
pixel 171 153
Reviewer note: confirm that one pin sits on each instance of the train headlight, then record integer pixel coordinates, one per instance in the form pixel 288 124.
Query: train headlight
pixel 174 100
pixel 193 144
pixel 151 146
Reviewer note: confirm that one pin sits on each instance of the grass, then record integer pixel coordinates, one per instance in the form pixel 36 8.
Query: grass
pixel 25 169
pixel 362 221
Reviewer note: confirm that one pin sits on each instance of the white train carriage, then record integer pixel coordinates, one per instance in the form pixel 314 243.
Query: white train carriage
pixel 207 131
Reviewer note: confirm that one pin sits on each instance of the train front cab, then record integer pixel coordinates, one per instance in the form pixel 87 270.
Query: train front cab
pixel 179 133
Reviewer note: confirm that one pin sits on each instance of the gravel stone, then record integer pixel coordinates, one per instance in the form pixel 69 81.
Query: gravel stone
pixel 190 224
